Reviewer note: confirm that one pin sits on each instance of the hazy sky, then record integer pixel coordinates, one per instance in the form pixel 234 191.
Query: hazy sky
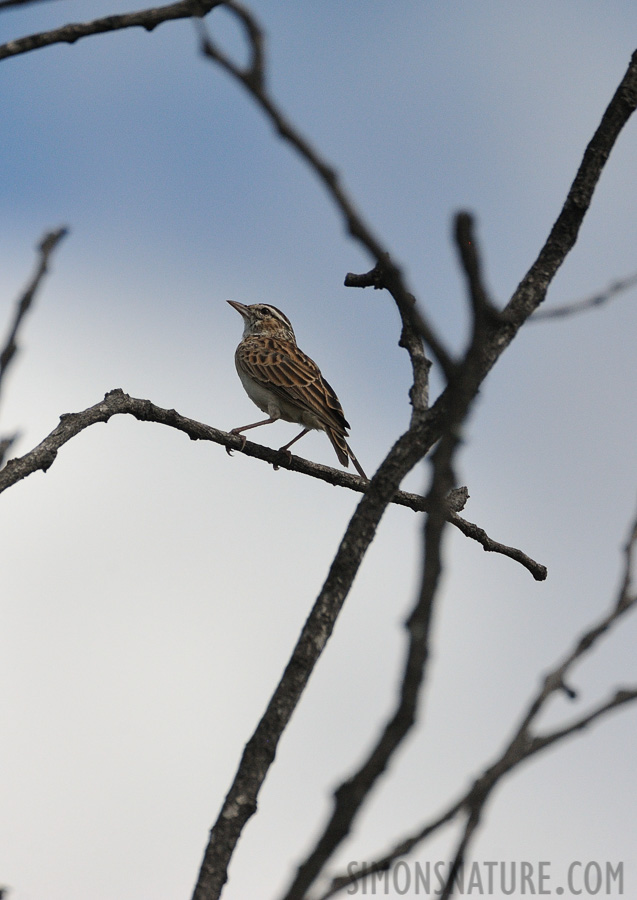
pixel 153 588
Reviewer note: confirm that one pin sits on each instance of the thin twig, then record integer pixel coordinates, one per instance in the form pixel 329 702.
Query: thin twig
pixel 45 248
pixel 384 862
pixel 471 265
pixel 538 571
pixel 5 4
pixel 145 18
pixel 524 743
pixel 578 306
pixel 410 338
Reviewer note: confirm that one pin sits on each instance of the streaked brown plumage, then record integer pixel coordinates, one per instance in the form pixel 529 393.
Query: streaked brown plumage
pixel 284 382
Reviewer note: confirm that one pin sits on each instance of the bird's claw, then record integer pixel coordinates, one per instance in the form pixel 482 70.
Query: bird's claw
pixel 288 458
pixel 243 443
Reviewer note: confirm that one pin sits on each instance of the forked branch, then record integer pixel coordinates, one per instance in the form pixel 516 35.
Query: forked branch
pixel 430 426
pixel 350 796
pixel 524 743
pixel 491 335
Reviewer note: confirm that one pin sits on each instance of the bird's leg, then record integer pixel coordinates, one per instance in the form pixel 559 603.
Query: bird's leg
pixel 286 448
pixel 238 431
pixel 294 440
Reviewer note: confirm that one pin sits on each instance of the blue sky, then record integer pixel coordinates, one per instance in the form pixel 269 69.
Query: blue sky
pixel 153 588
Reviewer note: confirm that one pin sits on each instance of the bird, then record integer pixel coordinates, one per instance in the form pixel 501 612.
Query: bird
pixel 285 383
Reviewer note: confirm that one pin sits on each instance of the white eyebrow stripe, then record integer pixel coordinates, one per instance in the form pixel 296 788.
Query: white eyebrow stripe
pixel 277 314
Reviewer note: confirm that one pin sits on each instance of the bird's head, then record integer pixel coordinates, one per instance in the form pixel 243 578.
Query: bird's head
pixel 263 319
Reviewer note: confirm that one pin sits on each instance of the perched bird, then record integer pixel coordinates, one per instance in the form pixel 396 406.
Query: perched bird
pixel 284 382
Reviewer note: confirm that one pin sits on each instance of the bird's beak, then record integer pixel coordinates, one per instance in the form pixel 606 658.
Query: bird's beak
pixel 240 307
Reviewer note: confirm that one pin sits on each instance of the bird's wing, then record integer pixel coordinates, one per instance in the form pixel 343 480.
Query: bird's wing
pixel 293 376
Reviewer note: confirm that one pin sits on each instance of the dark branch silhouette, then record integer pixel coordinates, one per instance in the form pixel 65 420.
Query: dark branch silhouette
pixel 524 743
pixel 352 793
pixel 595 300
pixel 253 78
pixel 118 403
pixel 145 18
pixel 5 4
pixel 8 352
pixel 491 335
pixel 434 431
pixel 46 247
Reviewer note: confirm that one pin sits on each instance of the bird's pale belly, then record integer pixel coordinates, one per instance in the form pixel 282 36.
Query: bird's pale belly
pixel 276 407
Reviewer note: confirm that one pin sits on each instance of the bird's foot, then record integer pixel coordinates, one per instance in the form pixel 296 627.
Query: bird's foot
pixel 286 455
pixel 243 442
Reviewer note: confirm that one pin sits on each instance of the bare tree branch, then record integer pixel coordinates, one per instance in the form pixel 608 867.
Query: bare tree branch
pixel 429 425
pixel 146 18
pixel 5 4
pixel 471 266
pixel 440 424
pixel 410 338
pixel 532 289
pixel 253 78
pixel 352 793
pixel 46 247
pixel 258 755
pixel 598 299
pixel 500 330
pixel 117 403
pixel 530 293
pixel 539 572
pixel 524 743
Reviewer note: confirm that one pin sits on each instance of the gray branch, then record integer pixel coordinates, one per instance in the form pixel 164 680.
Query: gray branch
pixel 436 426
pixel 118 403
pixel 8 352
pixel 5 4
pixel 350 796
pixel 145 18
pixel 253 77
pixel 492 333
pixel 46 247
pixel 524 742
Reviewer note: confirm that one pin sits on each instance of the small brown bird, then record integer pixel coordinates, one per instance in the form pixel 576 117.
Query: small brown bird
pixel 284 382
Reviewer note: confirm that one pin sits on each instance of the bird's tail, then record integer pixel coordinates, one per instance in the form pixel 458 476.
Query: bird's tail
pixel 344 451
